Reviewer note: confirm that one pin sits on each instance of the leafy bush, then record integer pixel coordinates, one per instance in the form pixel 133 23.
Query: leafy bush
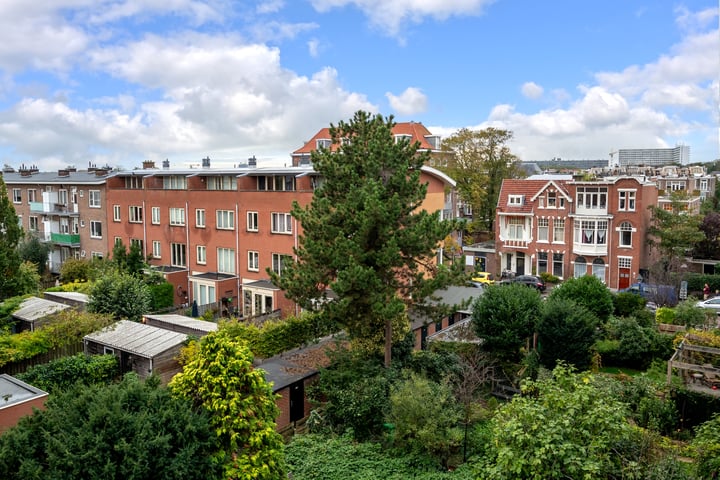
pixel 548 277
pixel 120 295
pixel 566 332
pixel 627 303
pixel 7 307
pixel 75 270
pixel 61 374
pixel 162 295
pixel 665 315
pixel 589 292
pixel 637 345
pixel 686 313
pixel 706 446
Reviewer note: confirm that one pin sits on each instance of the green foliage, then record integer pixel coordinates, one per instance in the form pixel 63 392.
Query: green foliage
pixel 129 431
pixel 627 303
pixel 566 331
pixel 221 381
pixel 61 374
pixel 322 457
pixel 589 292
pixel 162 295
pixel 11 235
pixel 504 317
pixel 637 345
pixel 674 234
pixel 686 313
pixel 27 279
pixel 706 446
pixel 32 250
pixel 548 277
pixel 665 315
pixel 563 427
pixel 362 229
pixel 7 307
pixel 120 295
pixel 419 431
pixel 75 270
pixel 65 328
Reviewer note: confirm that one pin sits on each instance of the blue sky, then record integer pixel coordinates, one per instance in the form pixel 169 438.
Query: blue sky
pixel 121 81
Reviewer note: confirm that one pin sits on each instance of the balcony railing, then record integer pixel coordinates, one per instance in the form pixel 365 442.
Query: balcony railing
pixel 590 249
pixel 52 208
pixel 514 243
pixel 65 239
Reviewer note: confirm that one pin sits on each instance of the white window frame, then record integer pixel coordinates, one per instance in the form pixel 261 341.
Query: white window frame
pixel 135 214
pixel 225 219
pixel 623 229
pixel 515 228
pixel 94 226
pixel 32 195
pixel 626 200
pixel 253 261
pixel 201 254
pixel 558 230
pixel 177 216
pixel 200 217
pixel 226 260
pixel 155 215
pixel 117 214
pixel 543 230
pixel 94 200
pixel 281 223
pixel 515 200
pixel 156 249
pixel 33 219
pixel 17 195
pixel 252 221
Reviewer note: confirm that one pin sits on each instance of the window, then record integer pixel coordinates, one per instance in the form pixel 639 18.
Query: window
pixel 403 137
pixel 515 228
pixel 134 183
pixel 65 226
pixel 96 255
pixel 32 194
pixel 136 214
pixel 19 219
pixel 626 231
pixel 201 252
pixel 278 183
pixel 33 224
pixel 75 226
pixel 542 262
pixel 279 262
pixel 200 217
pixel 116 213
pixel 253 261
pixel 552 199
pixel 155 215
pixel 73 196
pixel 156 249
pixel 226 260
pixel 225 219
pixel 62 197
pixel 592 197
pixel 221 182
pixel 95 229
pixel 177 216
pixel 177 255
pixel 94 198
pixel 703 186
pixel 543 229
pixel 515 200
pixel 624 262
pixel 558 264
pixel 175 182
pixel 17 195
pixel 281 223
pixel 580 267
pixel 252 221
pixel 322 143
pixel 558 230
pixel 626 201
pixel 598 269
pixel 591 232
pixel 140 244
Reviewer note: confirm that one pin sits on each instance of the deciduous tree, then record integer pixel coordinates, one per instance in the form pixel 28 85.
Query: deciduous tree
pixel 10 235
pixel 121 295
pixel 364 235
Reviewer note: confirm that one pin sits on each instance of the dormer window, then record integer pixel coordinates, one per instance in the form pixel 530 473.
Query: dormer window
pixel 323 143
pixel 403 137
pixel 434 141
pixel 515 200
pixel 552 199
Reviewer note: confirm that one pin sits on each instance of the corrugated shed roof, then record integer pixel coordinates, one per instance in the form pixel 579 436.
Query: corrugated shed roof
pixel 187 322
pixel 34 308
pixel 133 337
pixel 74 296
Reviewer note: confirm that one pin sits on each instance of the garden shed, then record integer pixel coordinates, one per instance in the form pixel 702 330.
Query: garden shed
pixel 17 399
pixel 34 312
pixel 444 308
pixel 140 348
pixel 73 299
pixel 181 324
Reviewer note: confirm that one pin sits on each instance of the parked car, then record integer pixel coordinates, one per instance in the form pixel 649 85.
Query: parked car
pixel 529 280
pixel 711 304
pixel 661 295
pixel 483 277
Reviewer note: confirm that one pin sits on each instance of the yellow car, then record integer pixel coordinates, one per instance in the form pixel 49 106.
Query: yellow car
pixel 485 278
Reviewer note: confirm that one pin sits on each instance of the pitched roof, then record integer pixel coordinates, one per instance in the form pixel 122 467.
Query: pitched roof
pixel 527 189
pixel 417 130
pixel 35 308
pixel 133 337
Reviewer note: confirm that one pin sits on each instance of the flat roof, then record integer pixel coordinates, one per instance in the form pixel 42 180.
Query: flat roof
pixel 14 391
pixel 187 322
pixel 35 308
pixel 133 337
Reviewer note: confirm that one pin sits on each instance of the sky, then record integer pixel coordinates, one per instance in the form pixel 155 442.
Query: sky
pixel 117 82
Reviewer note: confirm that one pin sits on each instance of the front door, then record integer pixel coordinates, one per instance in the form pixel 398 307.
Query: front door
pixel 297 401
pixel 520 264
pixel 624 280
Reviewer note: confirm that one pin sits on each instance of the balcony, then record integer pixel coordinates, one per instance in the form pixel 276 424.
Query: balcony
pixel 53 208
pixel 65 239
pixel 514 243
pixel 591 249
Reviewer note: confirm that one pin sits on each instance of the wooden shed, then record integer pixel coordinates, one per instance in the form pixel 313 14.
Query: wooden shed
pixel 34 312
pixel 181 324
pixel 17 399
pixel 73 299
pixel 140 348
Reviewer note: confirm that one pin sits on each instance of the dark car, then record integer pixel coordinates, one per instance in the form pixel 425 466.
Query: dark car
pixel 529 280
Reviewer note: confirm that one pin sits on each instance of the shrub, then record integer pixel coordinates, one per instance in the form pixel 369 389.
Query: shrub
pixel 548 277
pixel 566 332
pixel 686 313
pixel 627 303
pixel 665 315
pixel 589 292
pixel 61 374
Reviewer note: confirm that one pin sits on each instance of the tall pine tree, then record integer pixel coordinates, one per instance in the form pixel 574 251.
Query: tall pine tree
pixel 364 235
pixel 10 235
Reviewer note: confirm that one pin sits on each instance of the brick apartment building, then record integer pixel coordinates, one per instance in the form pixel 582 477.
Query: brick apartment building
pixel 574 227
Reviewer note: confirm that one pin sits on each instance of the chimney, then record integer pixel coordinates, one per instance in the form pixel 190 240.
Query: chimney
pixel 148 165
pixel 63 173
pixel 206 162
pixel 166 164
pixel 101 172
pixel 252 161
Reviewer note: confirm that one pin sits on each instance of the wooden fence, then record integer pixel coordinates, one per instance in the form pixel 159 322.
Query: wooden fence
pixel 21 366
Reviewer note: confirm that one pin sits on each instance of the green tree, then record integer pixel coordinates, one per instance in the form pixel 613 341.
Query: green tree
pixel 479 160
pixel 566 332
pixel 130 431
pixel 61 374
pixel 220 380
pixel 674 232
pixel 75 270
pixel 120 295
pixel 27 279
pixel 31 249
pixel 505 316
pixel 10 235
pixel 589 292
pixel 364 235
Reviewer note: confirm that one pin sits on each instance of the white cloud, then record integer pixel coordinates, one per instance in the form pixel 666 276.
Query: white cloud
pixel 389 16
pixel 313 47
pixel 270 6
pixel 409 102
pixel 531 90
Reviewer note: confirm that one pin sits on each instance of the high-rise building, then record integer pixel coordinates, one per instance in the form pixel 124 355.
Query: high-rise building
pixel 679 155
